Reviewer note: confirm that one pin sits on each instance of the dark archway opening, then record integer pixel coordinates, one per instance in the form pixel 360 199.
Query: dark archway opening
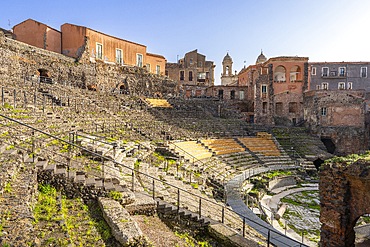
pixel 45 76
pixel 122 89
pixel 318 163
pixel 329 144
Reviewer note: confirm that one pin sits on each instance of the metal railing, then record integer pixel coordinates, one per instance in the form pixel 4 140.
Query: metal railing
pixel 181 197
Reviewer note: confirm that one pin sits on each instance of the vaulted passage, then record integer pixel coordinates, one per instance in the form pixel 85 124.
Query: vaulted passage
pixel 318 163
pixel 329 144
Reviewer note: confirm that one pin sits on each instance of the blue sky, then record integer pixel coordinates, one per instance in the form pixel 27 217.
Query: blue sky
pixel 323 30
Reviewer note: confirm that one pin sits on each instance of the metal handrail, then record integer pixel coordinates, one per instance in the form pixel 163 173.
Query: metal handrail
pixel 147 175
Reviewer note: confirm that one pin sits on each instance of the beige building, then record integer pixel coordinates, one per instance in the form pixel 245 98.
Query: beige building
pixel 193 72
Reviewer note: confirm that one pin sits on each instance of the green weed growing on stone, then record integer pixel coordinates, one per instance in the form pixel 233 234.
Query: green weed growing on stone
pixel 8 187
pixel 115 195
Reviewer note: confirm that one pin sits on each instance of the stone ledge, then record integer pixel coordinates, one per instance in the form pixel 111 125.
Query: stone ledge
pixel 124 229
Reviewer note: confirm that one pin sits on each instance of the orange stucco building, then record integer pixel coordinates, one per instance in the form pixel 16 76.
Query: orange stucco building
pixel 74 40
pixel 38 34
pixel 101 46
pixel 155 64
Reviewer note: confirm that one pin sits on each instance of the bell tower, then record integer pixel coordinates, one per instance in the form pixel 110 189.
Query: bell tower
pixel 227 76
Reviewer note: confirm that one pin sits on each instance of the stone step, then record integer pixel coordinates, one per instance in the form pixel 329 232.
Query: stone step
pixel 41 164
pixel 109 186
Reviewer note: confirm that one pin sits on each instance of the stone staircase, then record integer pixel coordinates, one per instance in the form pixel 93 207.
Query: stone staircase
pixel 169 209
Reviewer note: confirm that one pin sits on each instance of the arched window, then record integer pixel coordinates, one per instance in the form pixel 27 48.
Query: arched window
pixel 279 74
pixel 295 74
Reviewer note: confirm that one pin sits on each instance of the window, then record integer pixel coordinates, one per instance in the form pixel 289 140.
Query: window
pixel 158 69
pixel 191 61
pixel 190 75
pixel 323 111
pixel 264 89
pixel 363 72
pixel 313 71
pixel 119 58
pixel 200 64
pixel 342 71
pixel 99 51
pixel 325 86
pixel 182 75
pixel 232 94
pixel 325 71
pixel 349 85
pixel 166 72
pixel 318 87
pixel 341 85
pixel 148 67
pixel 241 95
pixel 202 77
pixel 139 60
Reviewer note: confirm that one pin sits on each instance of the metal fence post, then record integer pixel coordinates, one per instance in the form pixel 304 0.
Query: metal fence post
pixel 200 207
pixel 268 238
pixel 153 189
pixel 178 200
pixel 2 96
pixel 25 99
pixel 34 101
pixel 133 181
pixel 243 227
pixel 43 103
pixel 223 215
pixel 33 146
pixel 15 98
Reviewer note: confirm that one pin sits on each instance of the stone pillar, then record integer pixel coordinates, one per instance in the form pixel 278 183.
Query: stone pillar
pixel 344 197
pixel 334 207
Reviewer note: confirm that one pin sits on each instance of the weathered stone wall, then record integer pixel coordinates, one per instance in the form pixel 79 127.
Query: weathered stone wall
pixel 343 121
pixel 18 60
pixel 347 139
pixel 344 197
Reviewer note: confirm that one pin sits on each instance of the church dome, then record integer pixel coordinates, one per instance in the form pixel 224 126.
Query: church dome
pixel 227 58
pixel 261 58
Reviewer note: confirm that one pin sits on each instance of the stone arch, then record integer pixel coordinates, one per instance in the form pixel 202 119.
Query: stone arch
pixel 44 73
pixel 344 198
pixel 279 74
pixel 329 144
pixel 295 73
pixel 123 87
pixel 318 162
